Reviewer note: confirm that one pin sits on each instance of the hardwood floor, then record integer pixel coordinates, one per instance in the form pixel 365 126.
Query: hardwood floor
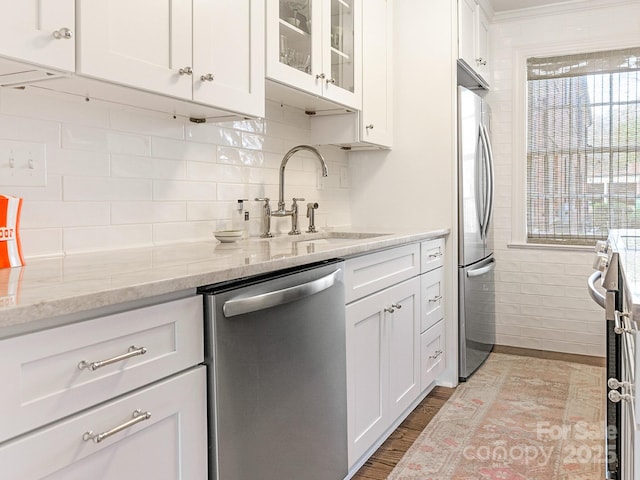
pixel 383 461
pixel 379 466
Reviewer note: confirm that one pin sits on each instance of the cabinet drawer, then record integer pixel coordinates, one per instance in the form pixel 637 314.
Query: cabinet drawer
pixel 42 376
pixel 371 273
pixel 170 444
pixel 431 254
pixel 432 352
pixel 432 293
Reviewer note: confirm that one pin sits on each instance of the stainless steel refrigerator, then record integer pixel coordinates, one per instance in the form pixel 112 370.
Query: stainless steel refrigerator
pixel 476 264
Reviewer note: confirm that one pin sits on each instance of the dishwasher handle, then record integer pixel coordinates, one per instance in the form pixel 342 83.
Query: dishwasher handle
pixel 239 306
pixel 595 294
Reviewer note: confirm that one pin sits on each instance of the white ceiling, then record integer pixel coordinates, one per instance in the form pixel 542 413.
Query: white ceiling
pixel 505 5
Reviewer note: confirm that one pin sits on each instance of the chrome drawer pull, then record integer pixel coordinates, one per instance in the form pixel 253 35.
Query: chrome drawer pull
pixel 132 352
pixel 435 255
pixel 397 305
pixel 138 416
pixel 437 298
pixel 436 354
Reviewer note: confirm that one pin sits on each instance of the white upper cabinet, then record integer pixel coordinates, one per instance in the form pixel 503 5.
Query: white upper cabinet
pixel 142 43
pixel 473 37
pixel 208 52
pixel 228 54
pixel 315 46
pixel 39 32
pixel 370 128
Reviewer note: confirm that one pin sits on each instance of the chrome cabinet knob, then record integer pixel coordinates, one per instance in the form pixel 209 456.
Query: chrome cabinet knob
pixel 63 33
pixel 369 127
pixel 397 305
pixel 481 61
pixel 207 78
pixel 389 309
pixel 185 71
pixel 331 80
pixel 320 76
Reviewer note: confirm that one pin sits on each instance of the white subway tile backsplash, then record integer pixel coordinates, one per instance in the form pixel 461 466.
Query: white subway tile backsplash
pixel 146 123
pixel 182 150
pixel 112 237
pixel 147 212
pixel 121 177
pixel 171 190
pixel 99 188
pixel 77 162
pixel 65 214
pixel 103 140
pixel 146 167
pixel 164 233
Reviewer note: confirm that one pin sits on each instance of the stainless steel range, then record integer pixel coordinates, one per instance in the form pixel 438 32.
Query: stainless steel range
pixel 617 267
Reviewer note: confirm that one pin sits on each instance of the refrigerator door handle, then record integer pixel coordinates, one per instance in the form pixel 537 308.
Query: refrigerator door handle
pixel 490 180
pixel 482 270
pixel 491 177
pixel 481 199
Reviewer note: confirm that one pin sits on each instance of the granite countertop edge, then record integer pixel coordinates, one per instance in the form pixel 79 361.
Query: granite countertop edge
pixel 51 292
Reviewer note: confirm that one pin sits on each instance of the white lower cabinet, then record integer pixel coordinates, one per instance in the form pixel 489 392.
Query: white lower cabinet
pixel 395 338
pixel 119 396
pixel 383 370
pixel 158 432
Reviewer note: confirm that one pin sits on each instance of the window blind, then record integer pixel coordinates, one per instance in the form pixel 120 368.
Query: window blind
pixel 583 168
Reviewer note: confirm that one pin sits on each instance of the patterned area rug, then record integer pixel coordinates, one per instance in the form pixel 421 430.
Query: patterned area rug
pixel 517 418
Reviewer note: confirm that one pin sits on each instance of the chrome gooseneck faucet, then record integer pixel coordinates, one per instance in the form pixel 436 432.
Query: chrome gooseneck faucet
pixel 282 210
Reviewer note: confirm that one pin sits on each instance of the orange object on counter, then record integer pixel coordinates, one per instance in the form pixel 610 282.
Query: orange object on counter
pixel 10 248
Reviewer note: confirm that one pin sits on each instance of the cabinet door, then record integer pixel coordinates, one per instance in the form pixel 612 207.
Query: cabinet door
pixel 402 306
pixel 294 43
pixel 28 32
pixel 482 50
pixel 342 47
pixel 141 43
pixel 367 374
pixel 166 440
pixel 376 72
pixel 467 33
pixel 228 55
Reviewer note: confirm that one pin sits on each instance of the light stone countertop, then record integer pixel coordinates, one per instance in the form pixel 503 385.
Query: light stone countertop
pixel 52 291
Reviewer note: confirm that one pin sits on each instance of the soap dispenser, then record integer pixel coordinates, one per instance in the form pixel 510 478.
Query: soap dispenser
pixel 241 217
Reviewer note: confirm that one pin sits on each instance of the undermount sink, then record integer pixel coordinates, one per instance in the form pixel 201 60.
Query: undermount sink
pixel 336 238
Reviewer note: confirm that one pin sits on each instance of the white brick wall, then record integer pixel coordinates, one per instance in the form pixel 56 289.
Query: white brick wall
pixel 119 178
pixel 542 299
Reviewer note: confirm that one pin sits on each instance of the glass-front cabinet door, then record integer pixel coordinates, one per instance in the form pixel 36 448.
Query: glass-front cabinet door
pixel 342 82
pixel 314 45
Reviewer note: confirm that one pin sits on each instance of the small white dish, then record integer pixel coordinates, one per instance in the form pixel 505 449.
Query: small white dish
pixel 228 236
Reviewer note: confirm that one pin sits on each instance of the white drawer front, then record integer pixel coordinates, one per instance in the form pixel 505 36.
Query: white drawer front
pixel 432 254
pixel 41 373
pixel 433 358
pixel 371 273
pixel 432 293
pixel 170 444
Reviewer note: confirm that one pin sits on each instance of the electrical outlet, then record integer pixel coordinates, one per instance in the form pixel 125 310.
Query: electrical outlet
pixel 22 164
pixel 344 177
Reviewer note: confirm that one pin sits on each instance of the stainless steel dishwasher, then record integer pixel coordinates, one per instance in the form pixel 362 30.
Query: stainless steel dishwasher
pixel 276 358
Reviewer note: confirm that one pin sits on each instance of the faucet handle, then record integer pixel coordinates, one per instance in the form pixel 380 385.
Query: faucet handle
pixel 295 200
pixel 265 200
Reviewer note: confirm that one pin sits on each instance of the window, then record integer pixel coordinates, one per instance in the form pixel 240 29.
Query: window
pixel 583 131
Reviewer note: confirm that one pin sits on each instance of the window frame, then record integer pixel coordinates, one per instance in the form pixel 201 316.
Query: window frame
pixel 519 133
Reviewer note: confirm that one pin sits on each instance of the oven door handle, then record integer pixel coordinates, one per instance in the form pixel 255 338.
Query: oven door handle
pixel 595 294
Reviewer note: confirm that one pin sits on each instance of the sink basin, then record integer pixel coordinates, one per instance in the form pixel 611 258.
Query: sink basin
pixel 336 238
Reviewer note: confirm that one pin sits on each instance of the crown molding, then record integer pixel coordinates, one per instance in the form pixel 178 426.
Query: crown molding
pixel 559 8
